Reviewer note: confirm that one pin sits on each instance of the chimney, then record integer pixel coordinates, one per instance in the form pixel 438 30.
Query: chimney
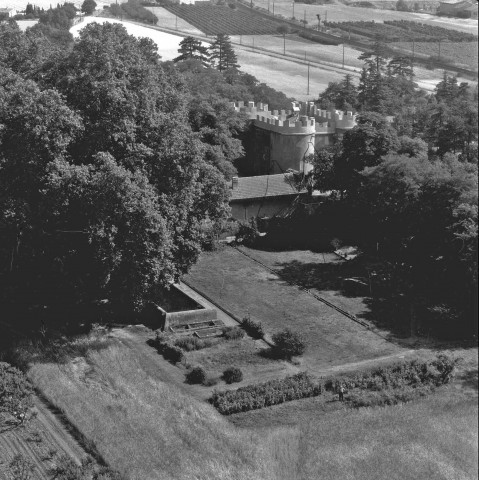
pixel 234 183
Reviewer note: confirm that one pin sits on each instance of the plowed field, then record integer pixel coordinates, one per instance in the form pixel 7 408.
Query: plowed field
pixel 214 19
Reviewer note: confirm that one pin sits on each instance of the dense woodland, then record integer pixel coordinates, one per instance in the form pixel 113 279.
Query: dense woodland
pixel 113 169
pixel 113 164
pixel 406 185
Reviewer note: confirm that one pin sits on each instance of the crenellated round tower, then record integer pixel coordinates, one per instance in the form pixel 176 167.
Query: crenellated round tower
pixel 281 140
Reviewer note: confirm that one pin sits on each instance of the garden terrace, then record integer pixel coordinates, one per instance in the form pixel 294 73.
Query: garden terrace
pixel 215 19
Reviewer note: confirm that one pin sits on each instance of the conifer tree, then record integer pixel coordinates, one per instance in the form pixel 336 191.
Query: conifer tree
pixel 222 53
pixel 372 89
pixel 192 48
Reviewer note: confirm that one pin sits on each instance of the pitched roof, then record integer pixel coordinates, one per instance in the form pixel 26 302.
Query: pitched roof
pixel 264 186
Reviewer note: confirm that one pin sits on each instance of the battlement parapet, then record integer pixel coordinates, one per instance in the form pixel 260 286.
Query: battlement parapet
pixel 287 126
pixel 304 118
pixel 337 118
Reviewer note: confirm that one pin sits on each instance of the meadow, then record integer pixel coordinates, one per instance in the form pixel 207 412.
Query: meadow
pixel 148 428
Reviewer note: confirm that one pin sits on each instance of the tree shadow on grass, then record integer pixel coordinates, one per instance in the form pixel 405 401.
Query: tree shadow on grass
pixel 320 276
pixel 351 279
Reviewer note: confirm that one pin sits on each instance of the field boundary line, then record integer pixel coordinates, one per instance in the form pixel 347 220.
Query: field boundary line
pixel 316 296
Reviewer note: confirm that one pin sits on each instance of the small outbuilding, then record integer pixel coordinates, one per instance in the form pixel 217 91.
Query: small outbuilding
pixel 264 195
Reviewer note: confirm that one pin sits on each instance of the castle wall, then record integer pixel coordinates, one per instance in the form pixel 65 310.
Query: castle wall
pixel 289 151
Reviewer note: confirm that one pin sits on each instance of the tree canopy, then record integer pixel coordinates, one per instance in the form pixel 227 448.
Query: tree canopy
pixel 192 48
pixel 106 190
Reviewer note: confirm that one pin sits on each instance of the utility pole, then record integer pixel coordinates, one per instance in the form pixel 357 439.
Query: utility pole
pixel 268 6
pixel 319 21
pixel 307 93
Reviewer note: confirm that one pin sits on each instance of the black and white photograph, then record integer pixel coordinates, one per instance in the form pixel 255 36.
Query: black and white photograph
pixel 238 240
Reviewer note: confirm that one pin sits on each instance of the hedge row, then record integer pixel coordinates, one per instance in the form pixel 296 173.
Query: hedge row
pixel 406 374
pixel 318 38
pixel 266 394
pixel 385 385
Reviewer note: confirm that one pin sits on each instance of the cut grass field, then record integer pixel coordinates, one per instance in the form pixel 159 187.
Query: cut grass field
pixel 244 287
pixel 149 429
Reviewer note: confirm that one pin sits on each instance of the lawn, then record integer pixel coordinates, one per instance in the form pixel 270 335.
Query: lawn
pixel 244 287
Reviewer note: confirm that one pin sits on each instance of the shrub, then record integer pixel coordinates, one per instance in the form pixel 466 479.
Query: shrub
pixel 172 353
pixel 169 351
pixel 262 395
pixel 196 375
pixel 232 375
pixel 233 333
pixel 193 343
pixel 16 394
pixel 255 329
pixel 248 232
pixel 288 343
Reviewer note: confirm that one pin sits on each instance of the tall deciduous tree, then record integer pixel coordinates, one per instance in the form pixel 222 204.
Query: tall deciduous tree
pixel 364 146
pixel 88 7
pixel 423 216
pixel 113 199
